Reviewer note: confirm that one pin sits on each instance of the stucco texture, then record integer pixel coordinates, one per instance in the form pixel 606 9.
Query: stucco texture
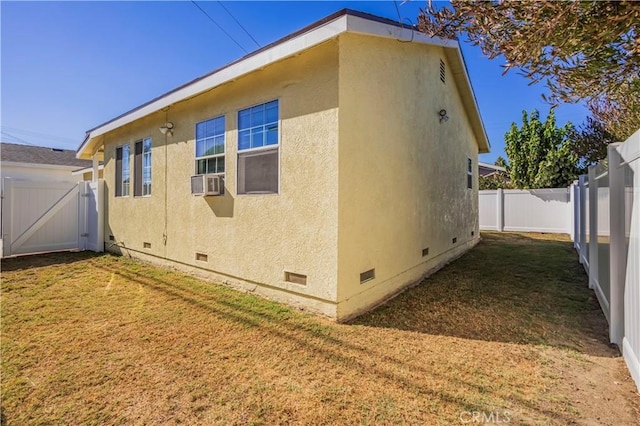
pixel 403 173
pixel 369 177
pixel 249 240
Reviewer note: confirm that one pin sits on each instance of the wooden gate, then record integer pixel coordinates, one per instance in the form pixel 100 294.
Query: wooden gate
pixel 50 216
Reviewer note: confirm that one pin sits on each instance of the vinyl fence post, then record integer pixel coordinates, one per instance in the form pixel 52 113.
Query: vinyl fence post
pixel 7 216
pixel 593 227
pixel 582 212
pixel 571 212
pixel 500 210
pixel 617 245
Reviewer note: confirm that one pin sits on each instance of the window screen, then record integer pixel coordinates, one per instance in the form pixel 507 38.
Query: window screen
pixel 142 168
pixel 122 171
pixel 258 138
pixel 258 172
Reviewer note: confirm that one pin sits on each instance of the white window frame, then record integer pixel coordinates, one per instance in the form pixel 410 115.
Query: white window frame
pixel 224 146
pixel 146 165
pixel 257 150
pixel 122 177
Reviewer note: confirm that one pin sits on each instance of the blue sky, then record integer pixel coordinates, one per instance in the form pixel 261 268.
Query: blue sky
pixel 69 66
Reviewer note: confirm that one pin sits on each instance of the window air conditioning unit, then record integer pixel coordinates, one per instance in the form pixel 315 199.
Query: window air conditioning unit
pixel 206 185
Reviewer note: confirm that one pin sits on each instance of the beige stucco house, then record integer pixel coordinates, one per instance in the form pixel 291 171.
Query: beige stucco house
pixel 348 157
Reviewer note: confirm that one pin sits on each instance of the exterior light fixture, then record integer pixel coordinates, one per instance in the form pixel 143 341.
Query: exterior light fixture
pixel 167 128
pixel 443 115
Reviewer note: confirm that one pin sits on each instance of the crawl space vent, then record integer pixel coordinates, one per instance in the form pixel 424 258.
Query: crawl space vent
pixel 367 275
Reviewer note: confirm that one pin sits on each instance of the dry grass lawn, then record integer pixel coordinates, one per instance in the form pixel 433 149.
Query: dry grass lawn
pixel 510 330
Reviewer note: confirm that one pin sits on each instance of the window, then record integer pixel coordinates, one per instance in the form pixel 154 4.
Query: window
pixel 258 149
pixel 469 173
pixel 123 171
pixel 142 168
pixel 210 146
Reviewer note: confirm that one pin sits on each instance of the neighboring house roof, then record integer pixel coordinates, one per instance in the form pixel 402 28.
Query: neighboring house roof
pixel 29 154
pixel 485 169
pixel 343 21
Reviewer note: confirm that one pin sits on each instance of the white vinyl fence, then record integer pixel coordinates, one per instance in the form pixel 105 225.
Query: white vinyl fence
pixel 533 210
pixel 608 240
pixel 601 213
pixel 41 217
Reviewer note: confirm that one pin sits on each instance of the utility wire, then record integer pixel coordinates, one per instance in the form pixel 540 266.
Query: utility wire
pixel 16 139
pixel 237 22
pixel 218 25
pixel 395 3
pixel 31 133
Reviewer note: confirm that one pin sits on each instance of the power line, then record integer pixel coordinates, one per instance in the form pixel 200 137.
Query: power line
pixel 237 22
pixel 16 139
pixel 218 25
pixel 395 3
pixel 31 133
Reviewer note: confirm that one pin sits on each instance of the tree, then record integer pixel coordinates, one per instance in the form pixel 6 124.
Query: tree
pixel 540 154
pixel 584 50
pixel 498 180
pixel 589 142
pixel 500 161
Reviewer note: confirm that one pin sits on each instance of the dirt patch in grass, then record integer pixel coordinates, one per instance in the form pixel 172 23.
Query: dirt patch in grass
pixel 101 339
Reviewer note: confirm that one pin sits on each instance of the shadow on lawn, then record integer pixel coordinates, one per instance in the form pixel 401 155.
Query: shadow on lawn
pixel 320 338
pixel 42 260
pixel 513 288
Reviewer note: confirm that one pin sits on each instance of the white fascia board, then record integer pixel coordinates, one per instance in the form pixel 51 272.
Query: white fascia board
pixel 260 60
pixel 291 47
pixel 356 24
pixel 470 95
pixel 36 165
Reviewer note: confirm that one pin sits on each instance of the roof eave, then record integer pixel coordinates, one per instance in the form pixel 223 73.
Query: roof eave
pixel 304 39
pixel 467 94
pixel 316 33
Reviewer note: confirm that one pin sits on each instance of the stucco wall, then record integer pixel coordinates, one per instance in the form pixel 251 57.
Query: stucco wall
pixel 368 185
pixel 403 174
pixel 250 240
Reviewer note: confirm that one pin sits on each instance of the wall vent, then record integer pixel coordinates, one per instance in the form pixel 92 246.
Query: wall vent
pixel 473 233
pixel 112 238
pixel 202 257
pixel 454 240
pixel 367 275
pixel 425 252
pixel 442 73
pixel 292 277
pixel 146 245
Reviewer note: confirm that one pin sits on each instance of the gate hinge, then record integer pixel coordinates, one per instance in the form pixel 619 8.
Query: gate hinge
pixel 84 234
pixel 84 195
